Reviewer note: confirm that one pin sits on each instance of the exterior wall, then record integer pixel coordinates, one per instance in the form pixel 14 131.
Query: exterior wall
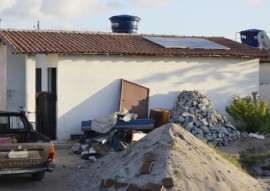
pixel 3 77
pixel 264 89
pixel 89 86
pixel 38 61
pixel 44 62
pixel 30 88
pixel 15 81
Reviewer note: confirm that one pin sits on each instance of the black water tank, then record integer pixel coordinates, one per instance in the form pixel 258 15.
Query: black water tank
pixel 124 23
pixel 250 37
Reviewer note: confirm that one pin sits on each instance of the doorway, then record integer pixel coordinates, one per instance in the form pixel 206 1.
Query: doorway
pixel 46 104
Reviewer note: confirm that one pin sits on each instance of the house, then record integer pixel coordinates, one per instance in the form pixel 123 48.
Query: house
pixel 259 39
pixel 83 70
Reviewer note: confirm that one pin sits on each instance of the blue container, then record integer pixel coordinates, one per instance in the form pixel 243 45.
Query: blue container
pixel 124 23
pixel 250 37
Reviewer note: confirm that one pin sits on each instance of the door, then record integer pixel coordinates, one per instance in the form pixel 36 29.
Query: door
pixel 134 98
pixel 46 103
pixel 46 114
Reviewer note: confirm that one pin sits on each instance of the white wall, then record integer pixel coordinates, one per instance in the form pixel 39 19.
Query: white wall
pixel 264 91
pixel 264 72
pixel 3 76
pixel 15 80
pixel 30 88
pixel 89 86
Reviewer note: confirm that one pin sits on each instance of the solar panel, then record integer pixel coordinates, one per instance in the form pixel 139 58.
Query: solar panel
pixel 192 43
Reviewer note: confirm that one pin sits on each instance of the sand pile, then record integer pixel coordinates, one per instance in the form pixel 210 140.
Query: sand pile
pixel 179 155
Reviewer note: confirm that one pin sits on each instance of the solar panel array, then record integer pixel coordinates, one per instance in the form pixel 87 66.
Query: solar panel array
pixel 192 43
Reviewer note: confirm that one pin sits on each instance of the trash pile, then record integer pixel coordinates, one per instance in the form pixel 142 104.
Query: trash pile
pixel 197 115
pixel 102 137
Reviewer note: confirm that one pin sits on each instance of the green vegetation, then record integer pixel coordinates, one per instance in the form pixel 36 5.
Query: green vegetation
pixel 178 173
pixel 172 144
pixel 250 113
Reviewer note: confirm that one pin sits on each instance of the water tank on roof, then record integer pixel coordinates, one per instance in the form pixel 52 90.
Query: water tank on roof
pixel 250 37
pixel 124 23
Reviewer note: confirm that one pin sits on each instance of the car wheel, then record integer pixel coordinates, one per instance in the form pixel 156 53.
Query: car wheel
pixel 38 175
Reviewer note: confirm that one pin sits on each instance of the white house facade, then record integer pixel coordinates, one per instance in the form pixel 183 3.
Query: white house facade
pixel 264 81
pixel 88 85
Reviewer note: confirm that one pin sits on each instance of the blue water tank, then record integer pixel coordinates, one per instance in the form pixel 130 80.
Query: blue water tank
pixel 250 37
pixel 124 23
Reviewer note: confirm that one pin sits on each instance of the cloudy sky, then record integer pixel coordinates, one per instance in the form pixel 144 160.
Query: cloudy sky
pixel 178 17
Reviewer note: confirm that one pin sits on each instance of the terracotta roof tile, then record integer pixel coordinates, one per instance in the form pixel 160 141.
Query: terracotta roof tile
pixel 74 42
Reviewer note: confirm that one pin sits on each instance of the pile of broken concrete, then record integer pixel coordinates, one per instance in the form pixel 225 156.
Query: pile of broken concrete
pixel 196 114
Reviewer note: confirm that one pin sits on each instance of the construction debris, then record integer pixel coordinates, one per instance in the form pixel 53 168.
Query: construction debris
pixel 196 114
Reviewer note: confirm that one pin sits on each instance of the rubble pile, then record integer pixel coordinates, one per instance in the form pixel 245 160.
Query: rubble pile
pixel 196 114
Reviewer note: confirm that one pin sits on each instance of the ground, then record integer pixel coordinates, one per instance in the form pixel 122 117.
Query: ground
pixel 247 145
pixel 68 166
pixel 71 170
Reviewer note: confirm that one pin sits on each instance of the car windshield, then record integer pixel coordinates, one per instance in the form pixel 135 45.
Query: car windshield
pixel 11 122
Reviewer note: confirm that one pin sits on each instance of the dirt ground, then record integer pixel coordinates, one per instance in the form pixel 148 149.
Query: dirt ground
pixel 247 145
pixel 68 168
pixel 71 170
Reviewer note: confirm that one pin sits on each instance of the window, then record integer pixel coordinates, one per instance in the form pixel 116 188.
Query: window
pixel 11 122
pixel 52 80
pixel 38 80
pixel 3 122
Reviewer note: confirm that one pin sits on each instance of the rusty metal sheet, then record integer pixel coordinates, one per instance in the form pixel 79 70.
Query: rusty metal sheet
pixel 134 98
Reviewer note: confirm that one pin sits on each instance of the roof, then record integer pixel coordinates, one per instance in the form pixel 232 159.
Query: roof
pixel 90 43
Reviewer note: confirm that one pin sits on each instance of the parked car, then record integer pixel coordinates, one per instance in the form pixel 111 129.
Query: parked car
pixel 22 149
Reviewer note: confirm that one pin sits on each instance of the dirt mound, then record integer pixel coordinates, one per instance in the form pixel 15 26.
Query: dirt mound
pixel 178 155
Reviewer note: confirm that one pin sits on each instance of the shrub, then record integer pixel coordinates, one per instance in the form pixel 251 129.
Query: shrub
pixel 249 113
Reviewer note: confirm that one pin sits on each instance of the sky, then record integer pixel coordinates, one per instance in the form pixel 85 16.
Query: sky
pixel 224 18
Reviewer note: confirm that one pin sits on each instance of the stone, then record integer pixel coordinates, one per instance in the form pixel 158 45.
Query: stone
pixel 217 142
pixel 192 118
pixel 181 119
pixel 205 129
pixel 189 126
pixel 92 158
pixel 204 122
pixel 76 149
pixel 224 130
pixel 197 130
pixel 244 134
pixel 185 114
pixel 225 143
pixel 197 123
pixel 208 137
pixel 195 103
pixel 200 105
pixel 230 126
pixel 197 115
pixel 191 109
pixel 199 136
